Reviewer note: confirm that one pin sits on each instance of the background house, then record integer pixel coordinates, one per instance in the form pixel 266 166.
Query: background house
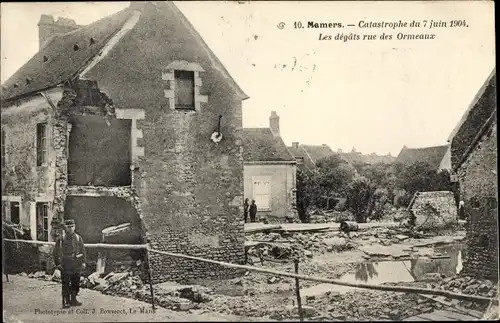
pixel 100 128
pixel 474 160
pixel 431 155
pixel 357 158
pixel 308 155
pixel 269 171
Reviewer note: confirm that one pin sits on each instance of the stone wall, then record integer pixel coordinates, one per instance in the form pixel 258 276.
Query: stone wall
pixel 190 188
pixel 478 189
pixel 433 210
pixel 23 179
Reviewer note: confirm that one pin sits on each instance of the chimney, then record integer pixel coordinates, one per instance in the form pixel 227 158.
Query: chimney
pixel 274 123
pixel 48 28
pixel 295 145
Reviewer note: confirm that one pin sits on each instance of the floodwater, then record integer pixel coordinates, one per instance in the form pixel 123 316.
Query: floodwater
pixel 376 273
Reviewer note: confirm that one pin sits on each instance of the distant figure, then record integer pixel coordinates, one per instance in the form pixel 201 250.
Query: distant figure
pixel 245 209
pixel 461 210
pixel 253 211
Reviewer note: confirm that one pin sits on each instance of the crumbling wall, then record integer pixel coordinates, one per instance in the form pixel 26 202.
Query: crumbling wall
pixel 433 210
pixel 190 188
pixel 99 154
pixel 479 189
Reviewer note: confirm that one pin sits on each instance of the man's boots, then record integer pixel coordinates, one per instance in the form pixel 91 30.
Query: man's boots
pixel 66 301
pixel 74 302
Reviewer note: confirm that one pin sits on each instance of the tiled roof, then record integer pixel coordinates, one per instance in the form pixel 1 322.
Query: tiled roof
pixel 58 60
pixel 259 144
pixel 318 152
pixel 430 155
pixel 479 113
pixel 367 159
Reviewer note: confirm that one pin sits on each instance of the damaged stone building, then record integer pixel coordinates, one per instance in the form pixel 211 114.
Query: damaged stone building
pixel 131 119
pixel 474 164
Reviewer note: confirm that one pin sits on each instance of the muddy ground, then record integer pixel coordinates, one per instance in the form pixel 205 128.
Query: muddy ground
pixel 374 255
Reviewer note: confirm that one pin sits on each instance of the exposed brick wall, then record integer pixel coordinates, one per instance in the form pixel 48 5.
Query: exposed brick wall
pixel 478 189
pixel 190 189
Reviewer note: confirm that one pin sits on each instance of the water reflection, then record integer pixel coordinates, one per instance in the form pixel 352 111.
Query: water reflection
pixel 408 270
pixel 395 271
pixel 365 271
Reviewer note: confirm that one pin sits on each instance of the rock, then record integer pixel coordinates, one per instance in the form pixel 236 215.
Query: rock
pixel 272 280
pixel 394 314
pixel 432 277
pixel 56 277
pixel 39 274
pixel 401 237
pixel 308 253
pixel 117 277
pixel 307 311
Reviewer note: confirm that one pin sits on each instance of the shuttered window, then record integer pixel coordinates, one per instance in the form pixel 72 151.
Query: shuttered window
pixel 42 221
pixel 262 193
pixel 184 90
pixel 41 144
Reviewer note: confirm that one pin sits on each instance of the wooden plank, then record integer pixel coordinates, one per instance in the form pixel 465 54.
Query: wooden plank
pixel 421 318
pixel 415 318
pixel 457 316
pixel 434 317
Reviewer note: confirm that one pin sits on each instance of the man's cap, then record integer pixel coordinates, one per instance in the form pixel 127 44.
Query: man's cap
pixel 69 223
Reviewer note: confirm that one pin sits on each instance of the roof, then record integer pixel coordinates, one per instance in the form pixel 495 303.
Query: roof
pixel 430 155
pixel 318 152
pixel 475 122
pixel 259 144
pixel 354 158
pixel 475 100
pixel 58 61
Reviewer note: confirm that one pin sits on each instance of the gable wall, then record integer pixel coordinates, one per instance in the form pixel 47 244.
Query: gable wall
pixel 191 189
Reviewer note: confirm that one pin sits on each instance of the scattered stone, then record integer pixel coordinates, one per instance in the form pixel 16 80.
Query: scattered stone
pixel 56 277
pixel 116 277
pixel 432 277
pixel 401 237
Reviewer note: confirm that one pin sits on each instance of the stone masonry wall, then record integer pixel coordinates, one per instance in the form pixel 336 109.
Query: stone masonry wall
pixel 434 209
pixel 23 178
pixel 190 188
pixel 478 189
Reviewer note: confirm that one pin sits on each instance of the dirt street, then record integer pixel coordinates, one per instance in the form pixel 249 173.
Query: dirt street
pixel 33 300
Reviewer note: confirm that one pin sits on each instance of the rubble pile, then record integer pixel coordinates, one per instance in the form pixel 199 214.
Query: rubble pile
pixel 359 305
pixel 318 216
pixel 471 286
pixel 299 244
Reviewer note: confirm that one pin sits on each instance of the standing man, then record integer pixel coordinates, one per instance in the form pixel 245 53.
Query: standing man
pixel 70 258
pixel 245 209
pixel 253 211
pixel 461 210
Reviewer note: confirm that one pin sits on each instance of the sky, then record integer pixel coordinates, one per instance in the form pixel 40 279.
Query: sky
pixel 374 95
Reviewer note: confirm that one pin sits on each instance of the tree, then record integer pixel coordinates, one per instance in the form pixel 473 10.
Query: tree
pixel 422 177
pixel 333 175
pixel 303 196
pixel 359 196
